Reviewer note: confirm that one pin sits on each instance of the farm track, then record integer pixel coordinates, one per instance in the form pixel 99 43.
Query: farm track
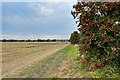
pixel 16 56
pixel 62 64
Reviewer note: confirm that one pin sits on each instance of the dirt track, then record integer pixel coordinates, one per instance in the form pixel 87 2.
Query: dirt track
pixel 19 55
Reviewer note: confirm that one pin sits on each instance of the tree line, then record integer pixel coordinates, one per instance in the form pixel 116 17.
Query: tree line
pixel 38 40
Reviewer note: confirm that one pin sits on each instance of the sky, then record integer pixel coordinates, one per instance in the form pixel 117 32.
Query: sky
pixel 33 20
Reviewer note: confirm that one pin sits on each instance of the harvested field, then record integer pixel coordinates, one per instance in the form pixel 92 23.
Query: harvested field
pixel 18 55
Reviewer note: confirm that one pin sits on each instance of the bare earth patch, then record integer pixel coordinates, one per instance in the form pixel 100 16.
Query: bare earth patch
pixel 18 55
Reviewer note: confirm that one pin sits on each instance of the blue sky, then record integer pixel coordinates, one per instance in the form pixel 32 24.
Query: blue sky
pixel 30 20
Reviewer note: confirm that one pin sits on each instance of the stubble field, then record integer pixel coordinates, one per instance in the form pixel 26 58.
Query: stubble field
pixel 18 55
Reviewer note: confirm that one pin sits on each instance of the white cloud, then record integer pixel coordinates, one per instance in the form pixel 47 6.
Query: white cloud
pixel 25 37
pixel 46 11
pixel 42 9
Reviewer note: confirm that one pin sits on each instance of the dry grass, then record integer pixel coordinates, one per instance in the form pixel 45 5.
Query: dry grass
pixel 16 55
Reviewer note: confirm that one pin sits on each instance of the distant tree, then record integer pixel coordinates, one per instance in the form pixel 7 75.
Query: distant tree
pixel 54 40
pixel 39 40
pixel 28 40
pixel 48 40
pixel 74 38
pixel 12 40
pixel 4 40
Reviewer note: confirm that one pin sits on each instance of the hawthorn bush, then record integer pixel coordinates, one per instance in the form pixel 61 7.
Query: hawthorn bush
pixel 98 23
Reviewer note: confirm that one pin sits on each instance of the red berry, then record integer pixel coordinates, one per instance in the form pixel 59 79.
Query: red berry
pixel 105 60
pixel 106 9
pixel 103 37
pixel 82 62
pixel 102 20
pixel 93 7
pixel 101 29
pixel 99 64
pixel 110 58
pixel 101 6
pixel 84 25
pixel 108 41
pixel 89 25
pixel 113 27
pixel 88 15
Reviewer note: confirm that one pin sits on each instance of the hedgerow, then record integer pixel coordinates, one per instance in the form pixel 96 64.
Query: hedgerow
pixel 99 29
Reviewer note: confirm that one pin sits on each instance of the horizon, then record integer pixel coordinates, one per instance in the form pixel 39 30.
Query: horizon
pixel 34 39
